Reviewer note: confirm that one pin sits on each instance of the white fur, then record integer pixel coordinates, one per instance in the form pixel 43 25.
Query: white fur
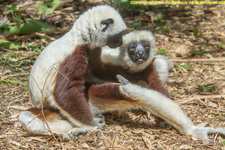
pixel 137 36
pixel 36 126
pixel 110 55
pixel 163 65
pixel 120 56
pixel 86 30
pixel 45 69
pixel 167 109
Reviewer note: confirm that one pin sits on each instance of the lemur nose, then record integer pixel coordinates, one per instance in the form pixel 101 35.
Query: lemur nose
pixel 140 53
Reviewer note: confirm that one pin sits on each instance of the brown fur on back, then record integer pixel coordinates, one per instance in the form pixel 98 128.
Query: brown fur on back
pixel 69 89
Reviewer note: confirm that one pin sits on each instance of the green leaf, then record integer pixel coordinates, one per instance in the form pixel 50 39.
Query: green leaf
pixel 159 16
pixel 185 67
pixel 27 88
pixel 4 28
pixel 214 114
pixel 17 18
pixel 195 32
pixel 9 45
pixel 55 4
pixel 208 87
pixel 200 52
pixel 13 9
pixel 44 9
pixel 30 26
pixel 12 81
pixel 10 9
pixel 223 142
pixel 222 44
pixel 126 3
pixel 161 51
pixel 137 24
pixel 165 28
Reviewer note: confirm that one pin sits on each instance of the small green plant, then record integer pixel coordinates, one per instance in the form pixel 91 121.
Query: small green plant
pixel 223 142
pixel 195 32
pixel 24 26
pixel 161 51
pixel 4 28
pixel 12 81
pixel 185 67
pixel 9 45
pixel 12 10
pixel 200 52
pixel 160 17
pixel 222 44
pixel 44 9
pixel 16 82
pixel 164 28
pixel 207 87
pixel 215 114
pixel 30 26
pixel 137 25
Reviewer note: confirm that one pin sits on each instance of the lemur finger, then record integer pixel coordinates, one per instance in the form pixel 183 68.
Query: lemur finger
pixel 122 80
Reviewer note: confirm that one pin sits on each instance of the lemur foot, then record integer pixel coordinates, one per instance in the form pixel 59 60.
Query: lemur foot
pixel 122 80
pixel 130 91
pixel 100 120
pixel 126 88
pixel 73 133
pixel 165 124
pixel 202 133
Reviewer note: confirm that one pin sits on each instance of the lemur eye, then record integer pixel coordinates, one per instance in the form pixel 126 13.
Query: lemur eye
pixel 131 49
pixel 146 46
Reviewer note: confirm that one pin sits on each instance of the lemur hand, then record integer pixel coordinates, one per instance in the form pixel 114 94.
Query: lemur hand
pixel 122 80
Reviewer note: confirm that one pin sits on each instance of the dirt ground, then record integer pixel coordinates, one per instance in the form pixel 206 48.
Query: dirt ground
pixel 200 91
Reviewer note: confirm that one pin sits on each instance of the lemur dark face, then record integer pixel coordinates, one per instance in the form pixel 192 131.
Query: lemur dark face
pixel 139 51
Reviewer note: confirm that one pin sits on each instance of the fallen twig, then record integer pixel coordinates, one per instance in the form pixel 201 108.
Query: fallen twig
pixel 14 75
pixel 183 101
pixel 197 60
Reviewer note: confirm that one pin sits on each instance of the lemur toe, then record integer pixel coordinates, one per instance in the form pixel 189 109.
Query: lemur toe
pixel 122 80
pixel 210 142
pixel 100 120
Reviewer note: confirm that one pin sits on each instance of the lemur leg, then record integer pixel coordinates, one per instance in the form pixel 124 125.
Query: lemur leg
pixel 107 98
pixel 38 121
pixel 170 111
pixel 46 121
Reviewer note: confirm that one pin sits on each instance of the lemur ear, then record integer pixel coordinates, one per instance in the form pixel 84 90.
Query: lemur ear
pixel 106 23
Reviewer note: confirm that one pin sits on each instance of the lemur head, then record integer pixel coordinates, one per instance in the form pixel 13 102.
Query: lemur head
pixel 137 51
pixel 100 26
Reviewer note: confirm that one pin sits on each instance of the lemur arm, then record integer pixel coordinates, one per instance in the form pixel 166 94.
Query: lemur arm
pixel 154 81
pixel 163 65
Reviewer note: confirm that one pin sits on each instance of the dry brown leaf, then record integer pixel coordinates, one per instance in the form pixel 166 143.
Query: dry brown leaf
pixel 211 104
pixel 183 51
